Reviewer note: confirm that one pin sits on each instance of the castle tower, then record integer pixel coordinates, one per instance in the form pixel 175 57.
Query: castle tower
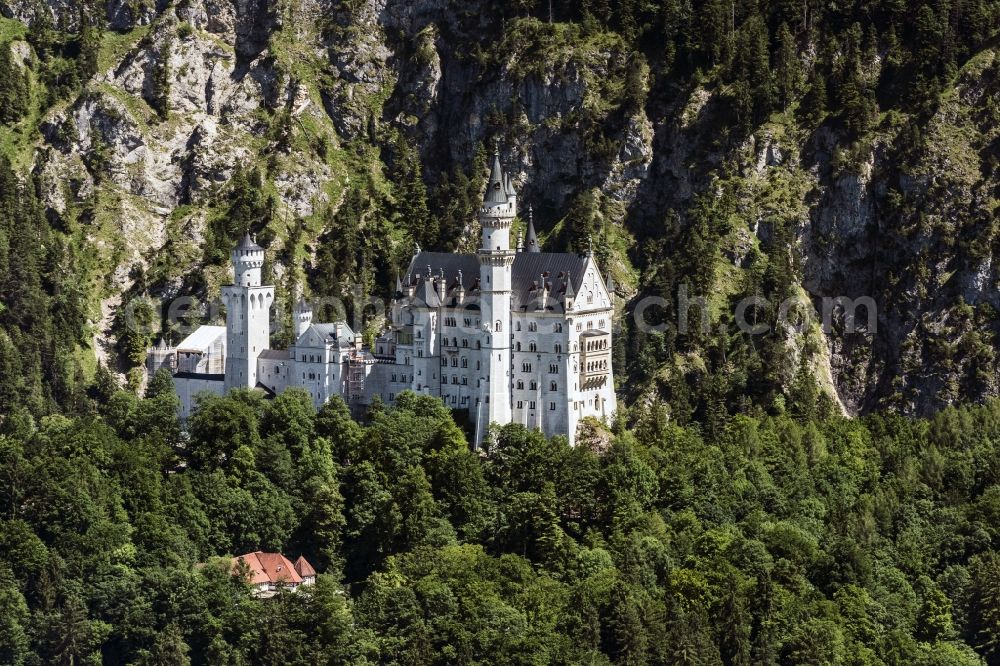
pixel 302 317
pixel 495 261
pixel 248 315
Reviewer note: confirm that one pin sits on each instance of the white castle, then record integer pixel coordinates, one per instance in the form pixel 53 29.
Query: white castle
pixel 505 335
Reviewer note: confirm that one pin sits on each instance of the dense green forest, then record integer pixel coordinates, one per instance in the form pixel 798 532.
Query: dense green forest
pixel 779 539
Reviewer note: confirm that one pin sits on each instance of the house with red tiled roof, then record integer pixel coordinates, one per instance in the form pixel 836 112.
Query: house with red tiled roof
pixel 305 570
pixel 268 573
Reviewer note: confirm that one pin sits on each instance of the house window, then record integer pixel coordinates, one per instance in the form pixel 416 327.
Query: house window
pixel 517 347
pixel 520 404
pixel 553 369
pixel 465 380
pixel 558 348
pixel 531 405
pixel 553 386
pixel 520 385
pixel 465 362
pixel 525 367
pixel 532 326
pixel 517 326
pixel 499 326
pixel 532 346
pixel 552 406
pixel 558 328
pixel 534 386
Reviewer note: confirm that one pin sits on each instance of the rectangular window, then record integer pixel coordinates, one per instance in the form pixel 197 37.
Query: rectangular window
pixel 552 406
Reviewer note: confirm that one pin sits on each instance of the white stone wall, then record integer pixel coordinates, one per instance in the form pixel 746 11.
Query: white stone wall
pixel 187 388
pixel 248 331
pixel 275 374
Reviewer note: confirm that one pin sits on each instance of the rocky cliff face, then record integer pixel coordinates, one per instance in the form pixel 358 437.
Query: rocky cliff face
pixel 310 93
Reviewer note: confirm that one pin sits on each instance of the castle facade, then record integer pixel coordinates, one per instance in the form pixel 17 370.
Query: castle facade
pixel 505 335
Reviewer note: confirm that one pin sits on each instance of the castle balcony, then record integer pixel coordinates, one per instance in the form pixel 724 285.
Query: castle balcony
pixel 595 359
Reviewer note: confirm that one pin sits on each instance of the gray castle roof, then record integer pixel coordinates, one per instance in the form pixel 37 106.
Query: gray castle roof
pixel 496 191
pixel 563 273
pixel 248 244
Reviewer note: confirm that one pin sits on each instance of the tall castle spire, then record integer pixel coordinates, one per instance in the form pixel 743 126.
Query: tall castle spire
pixel 532 236
pixel 496 192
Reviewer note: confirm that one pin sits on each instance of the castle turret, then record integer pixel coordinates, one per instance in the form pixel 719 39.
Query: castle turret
pixel 532 236
pixel 248 260
pixel 248 315
pixel 302 316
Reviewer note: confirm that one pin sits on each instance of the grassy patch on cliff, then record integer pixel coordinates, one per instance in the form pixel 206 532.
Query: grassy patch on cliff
pixel 116 45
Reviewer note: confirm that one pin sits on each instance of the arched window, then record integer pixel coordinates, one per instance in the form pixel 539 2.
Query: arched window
pixel 499 326
pixel 590 297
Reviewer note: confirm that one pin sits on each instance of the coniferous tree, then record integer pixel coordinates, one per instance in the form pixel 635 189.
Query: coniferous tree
pixel 788 67
pixel 13 88
pixel 814 105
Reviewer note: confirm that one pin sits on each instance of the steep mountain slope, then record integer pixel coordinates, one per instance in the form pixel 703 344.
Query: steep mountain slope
pixel 734 155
